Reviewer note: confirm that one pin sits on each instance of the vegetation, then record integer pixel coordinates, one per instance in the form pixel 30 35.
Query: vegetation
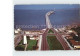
pixel 76 30
pixel 32 44
pixel 50 31
pixel 54 44
pixel 20 47
pixel 21 42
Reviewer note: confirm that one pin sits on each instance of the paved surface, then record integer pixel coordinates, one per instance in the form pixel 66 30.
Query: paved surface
pixel 39 42
pixel 25 47
pixel 44 45
pixel 61 40
pixel 17 39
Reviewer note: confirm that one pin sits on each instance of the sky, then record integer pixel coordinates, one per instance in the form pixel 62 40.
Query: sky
pixel 49 6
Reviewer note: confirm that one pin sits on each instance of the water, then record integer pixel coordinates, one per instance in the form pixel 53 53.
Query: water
pixel 37 17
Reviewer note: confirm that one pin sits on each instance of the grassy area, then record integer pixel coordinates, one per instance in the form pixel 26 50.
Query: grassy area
pixel 32 44
pixel 54 44
pixel 20 47
pixel 50 31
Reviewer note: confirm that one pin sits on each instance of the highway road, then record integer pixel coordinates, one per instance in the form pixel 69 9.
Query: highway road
pixel 44 45
pixel 17 39
pixel 61 40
